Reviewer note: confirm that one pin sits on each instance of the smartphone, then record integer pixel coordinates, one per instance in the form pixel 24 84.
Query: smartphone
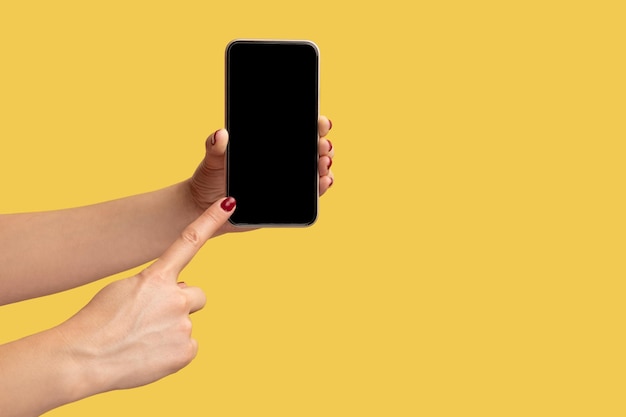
pixel 272 109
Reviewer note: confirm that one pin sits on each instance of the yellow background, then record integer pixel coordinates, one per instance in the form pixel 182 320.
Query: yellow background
pixel 470 258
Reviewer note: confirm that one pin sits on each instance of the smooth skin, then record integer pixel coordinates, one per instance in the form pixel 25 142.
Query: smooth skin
pixel 48 252
pixel 135 330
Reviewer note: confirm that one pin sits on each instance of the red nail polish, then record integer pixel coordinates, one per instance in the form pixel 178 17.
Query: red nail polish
pixel 331 183
pixel 228 204
pixel 330 144
pixel 330 164
pixel 330 123
pixel 213 138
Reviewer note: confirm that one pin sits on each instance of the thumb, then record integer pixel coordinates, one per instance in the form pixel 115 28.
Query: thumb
pixel 178 255
pixel 215 150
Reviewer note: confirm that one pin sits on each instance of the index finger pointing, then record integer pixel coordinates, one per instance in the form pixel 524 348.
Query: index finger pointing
pixel 178 255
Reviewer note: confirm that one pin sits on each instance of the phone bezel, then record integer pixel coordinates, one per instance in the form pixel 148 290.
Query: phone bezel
pixel 227 123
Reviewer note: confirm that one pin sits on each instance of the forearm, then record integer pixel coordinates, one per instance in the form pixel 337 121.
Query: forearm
pixel 37 374
pixel 47 252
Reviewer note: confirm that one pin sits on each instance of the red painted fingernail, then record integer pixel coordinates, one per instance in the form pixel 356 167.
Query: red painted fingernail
pixel 330 144
pixel 331 183
pixel 330 164
pixel 228 204
pixel 330 123
pixel 213 139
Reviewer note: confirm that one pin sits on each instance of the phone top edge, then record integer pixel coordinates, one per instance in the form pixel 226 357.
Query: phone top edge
pixel 274 41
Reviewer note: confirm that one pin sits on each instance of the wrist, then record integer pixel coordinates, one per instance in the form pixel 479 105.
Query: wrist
pixel 39 373
pixel 79 373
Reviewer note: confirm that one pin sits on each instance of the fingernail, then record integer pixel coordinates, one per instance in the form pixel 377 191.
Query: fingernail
pixel 330 123
pixel 330 144
pixel 330 164
pixel 228 204
pixel 213 138
pixel 331 183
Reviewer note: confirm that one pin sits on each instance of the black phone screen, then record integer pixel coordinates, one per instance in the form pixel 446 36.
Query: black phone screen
pixel 271 116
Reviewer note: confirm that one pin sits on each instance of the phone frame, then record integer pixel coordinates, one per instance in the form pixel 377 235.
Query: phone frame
pixel 227 124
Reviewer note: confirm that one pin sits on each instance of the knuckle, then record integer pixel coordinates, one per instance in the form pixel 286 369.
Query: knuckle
pixel 150 273
pixel 178 362
pixel 188 353
pixel 186 327
pixel 191 350
pixel 191 236
pixel 180 304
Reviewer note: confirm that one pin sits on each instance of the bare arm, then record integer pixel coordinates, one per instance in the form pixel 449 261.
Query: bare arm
pixel 47 252
pixel 133 332
pixel 37 374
